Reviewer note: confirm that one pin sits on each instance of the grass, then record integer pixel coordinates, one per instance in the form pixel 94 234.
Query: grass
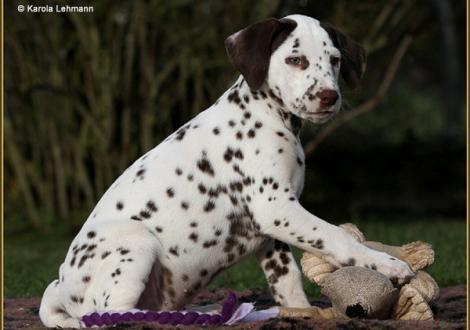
pixel 31 259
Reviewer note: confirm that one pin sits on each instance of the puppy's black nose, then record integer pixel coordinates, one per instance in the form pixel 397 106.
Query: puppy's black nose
pixel 328 97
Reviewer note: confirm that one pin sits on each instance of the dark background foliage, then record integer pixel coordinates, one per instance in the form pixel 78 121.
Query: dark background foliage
pixel 85 94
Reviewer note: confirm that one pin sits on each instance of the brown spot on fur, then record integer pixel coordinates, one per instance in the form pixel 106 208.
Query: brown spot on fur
pixel 284 258
pixel 202 188
pixel 184 205
pixel 208 244
pixel 209 206
pixel 193 237
pixel 105 254
pixel 144 214
pixel 151 206
pixel 174 250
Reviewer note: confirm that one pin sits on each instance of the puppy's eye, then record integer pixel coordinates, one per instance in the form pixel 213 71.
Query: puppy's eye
pixel 334 60
pixel 294 60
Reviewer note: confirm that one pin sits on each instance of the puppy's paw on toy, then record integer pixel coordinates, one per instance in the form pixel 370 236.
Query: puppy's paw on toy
pixel 357 292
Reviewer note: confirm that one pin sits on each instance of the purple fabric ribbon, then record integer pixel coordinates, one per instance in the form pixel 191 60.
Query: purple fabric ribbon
pixel 173 318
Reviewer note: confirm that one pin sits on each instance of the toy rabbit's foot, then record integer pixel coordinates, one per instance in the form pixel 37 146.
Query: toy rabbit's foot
pixel 426 285
pixel 411 305
pixel 312 312
pixel 353 231
pixel 316 268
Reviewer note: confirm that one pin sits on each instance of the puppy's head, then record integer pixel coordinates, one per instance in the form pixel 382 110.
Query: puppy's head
pixel 299 59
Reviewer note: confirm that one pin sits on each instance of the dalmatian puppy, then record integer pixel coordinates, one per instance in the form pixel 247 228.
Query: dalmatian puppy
pixel 223 186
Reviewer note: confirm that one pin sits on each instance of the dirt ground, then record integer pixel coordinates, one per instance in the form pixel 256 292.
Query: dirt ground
pixel 449 310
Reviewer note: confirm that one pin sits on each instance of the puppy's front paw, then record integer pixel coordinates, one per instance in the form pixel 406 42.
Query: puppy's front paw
pixel 396 270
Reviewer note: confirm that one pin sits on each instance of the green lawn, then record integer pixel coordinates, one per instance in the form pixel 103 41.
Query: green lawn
pixel 31 260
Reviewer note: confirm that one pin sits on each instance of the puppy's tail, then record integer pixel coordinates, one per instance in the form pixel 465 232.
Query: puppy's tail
pixel 51 311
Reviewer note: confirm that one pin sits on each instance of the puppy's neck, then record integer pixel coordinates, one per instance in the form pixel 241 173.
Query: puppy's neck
pixel 264 102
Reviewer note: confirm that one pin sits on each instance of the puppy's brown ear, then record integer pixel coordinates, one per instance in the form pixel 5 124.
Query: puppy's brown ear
pixel 353 56
pixel 250 49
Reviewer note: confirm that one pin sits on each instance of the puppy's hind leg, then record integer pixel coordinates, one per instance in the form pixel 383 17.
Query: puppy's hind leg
pixel 107 269
pixel 123 275
pixel 52 313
